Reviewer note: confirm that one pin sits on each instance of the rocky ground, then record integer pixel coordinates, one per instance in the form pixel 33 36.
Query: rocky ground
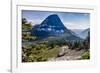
pixel 67 54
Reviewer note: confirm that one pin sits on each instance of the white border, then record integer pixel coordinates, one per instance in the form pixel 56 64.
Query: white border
pixel 17 66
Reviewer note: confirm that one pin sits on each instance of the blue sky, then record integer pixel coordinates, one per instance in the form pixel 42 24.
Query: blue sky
pixel 71 20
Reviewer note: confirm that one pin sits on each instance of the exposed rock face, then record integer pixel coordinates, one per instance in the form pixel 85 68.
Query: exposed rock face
pixel 63 51
pixel 67 54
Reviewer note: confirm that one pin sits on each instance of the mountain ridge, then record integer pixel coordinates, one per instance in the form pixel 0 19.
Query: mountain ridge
pixel 53 26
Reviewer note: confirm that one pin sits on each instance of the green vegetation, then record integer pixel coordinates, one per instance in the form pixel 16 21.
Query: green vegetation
pixel 86 55
pixel 25 24
pixel 26 34
pixel 79 45
pixel 38 52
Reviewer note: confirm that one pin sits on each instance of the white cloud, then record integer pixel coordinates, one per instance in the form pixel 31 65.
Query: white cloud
pixel 35 21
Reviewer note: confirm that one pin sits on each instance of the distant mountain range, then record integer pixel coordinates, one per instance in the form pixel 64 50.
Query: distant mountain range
pixel 82 33
pixel 53 27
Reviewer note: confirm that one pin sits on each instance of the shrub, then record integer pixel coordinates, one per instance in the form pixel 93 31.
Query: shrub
pixel 86 55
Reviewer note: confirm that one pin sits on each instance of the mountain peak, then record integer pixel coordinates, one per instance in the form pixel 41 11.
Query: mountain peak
pixel 52 26
pixel 52 20
pixel 53 15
